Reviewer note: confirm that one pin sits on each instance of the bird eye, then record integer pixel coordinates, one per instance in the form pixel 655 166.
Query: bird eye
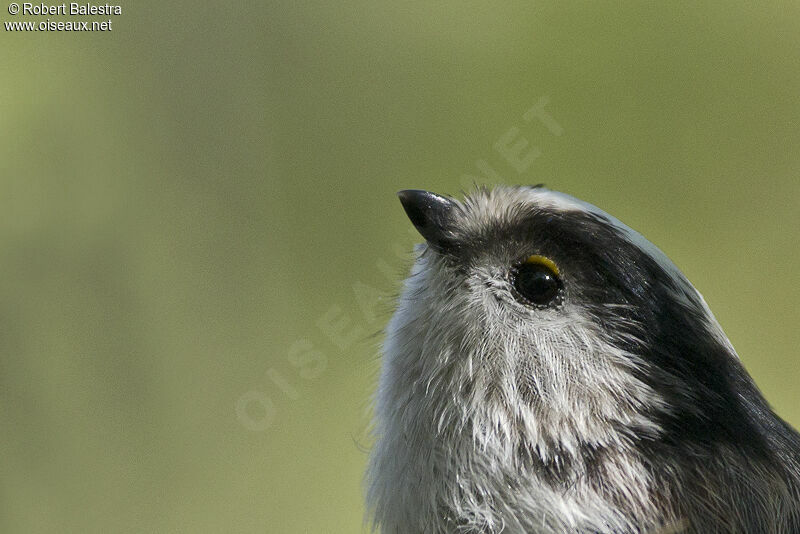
pixel 537 281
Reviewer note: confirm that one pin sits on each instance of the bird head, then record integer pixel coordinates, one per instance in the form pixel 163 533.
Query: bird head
pixel 534 318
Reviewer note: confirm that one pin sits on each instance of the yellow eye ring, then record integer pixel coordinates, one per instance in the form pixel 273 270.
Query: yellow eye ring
pixel 544 262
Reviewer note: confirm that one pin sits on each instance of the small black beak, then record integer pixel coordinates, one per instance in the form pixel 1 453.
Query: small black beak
pixel 430 214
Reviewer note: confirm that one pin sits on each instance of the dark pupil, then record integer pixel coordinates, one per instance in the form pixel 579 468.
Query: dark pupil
pixel 536 283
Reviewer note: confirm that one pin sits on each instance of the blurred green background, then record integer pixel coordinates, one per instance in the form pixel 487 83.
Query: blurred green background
pixel 200 239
